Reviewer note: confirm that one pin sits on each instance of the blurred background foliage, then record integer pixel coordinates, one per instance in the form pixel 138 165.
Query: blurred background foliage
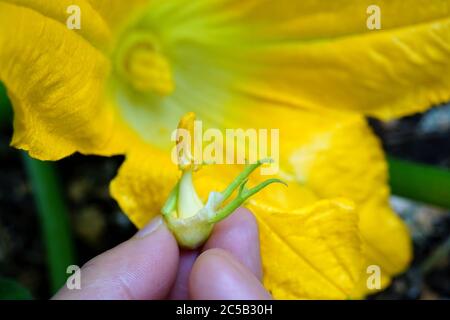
pixel 53 215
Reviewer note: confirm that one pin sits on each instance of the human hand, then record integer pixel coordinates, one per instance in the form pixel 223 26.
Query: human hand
pixel 150 266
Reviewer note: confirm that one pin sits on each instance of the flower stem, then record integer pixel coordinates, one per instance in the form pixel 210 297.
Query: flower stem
pixel 5 106
pixel 243 193
pixel 54 219
pixel 420 182
pixel 242 177
pixel 242 196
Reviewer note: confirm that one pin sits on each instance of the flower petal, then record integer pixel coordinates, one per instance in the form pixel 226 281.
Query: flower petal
pixel 315 54
pixel 55 80
pixel 93 27
pixel 143 183
pixel 335 154
pixel 312 253
pixel 353 166
pixel 322 55
pixel 117 12
pixel 386 74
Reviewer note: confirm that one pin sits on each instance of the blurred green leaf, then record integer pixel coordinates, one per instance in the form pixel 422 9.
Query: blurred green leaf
pixel 420 182
pixel 12 290
pixel 5 106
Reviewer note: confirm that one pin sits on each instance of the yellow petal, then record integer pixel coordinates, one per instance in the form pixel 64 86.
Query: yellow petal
pixel 143 183
pixel 337 155
pixel 386 74
pixel 348 161
pixel 55 79
pixel 93 27
pixel 322 55
pixel 386 239
pixel 364 286
pixel 312 253
pixel 303 54
pixel 117 12
pixel 311 54
pixel 353 165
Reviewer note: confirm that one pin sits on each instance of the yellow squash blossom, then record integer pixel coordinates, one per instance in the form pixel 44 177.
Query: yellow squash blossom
pixel 312 68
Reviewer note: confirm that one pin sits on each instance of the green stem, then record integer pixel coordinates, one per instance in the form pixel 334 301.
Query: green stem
pixel 420 182
pixel 242 177
pixel 54 219
pixel 241 197
pixel 5 106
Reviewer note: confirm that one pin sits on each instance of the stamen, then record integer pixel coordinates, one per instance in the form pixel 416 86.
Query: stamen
pixel 141 62
pixel 185 149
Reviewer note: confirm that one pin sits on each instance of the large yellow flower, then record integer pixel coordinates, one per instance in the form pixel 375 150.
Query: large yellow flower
pixel 311 68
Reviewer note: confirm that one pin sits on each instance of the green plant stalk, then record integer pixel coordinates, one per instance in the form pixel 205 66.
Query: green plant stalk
pixel 420 182
pixel 242 196
pixel 5 106
pixel 54 219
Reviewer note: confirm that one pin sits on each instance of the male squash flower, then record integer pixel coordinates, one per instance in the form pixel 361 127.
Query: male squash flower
pixel 312 68
pixel 190 220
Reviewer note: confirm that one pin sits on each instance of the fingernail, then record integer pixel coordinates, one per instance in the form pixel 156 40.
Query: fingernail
pixel 149 228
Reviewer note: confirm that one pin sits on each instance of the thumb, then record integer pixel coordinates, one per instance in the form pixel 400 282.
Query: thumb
pixel 143 267
pixel 216 275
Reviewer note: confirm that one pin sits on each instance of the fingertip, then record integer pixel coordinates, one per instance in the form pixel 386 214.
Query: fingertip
pixel 239 235
pixel 180 288
pixel 143 267
pixel 217 275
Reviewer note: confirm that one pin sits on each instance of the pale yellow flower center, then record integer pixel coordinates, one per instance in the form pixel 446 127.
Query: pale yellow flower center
pixel 142 64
